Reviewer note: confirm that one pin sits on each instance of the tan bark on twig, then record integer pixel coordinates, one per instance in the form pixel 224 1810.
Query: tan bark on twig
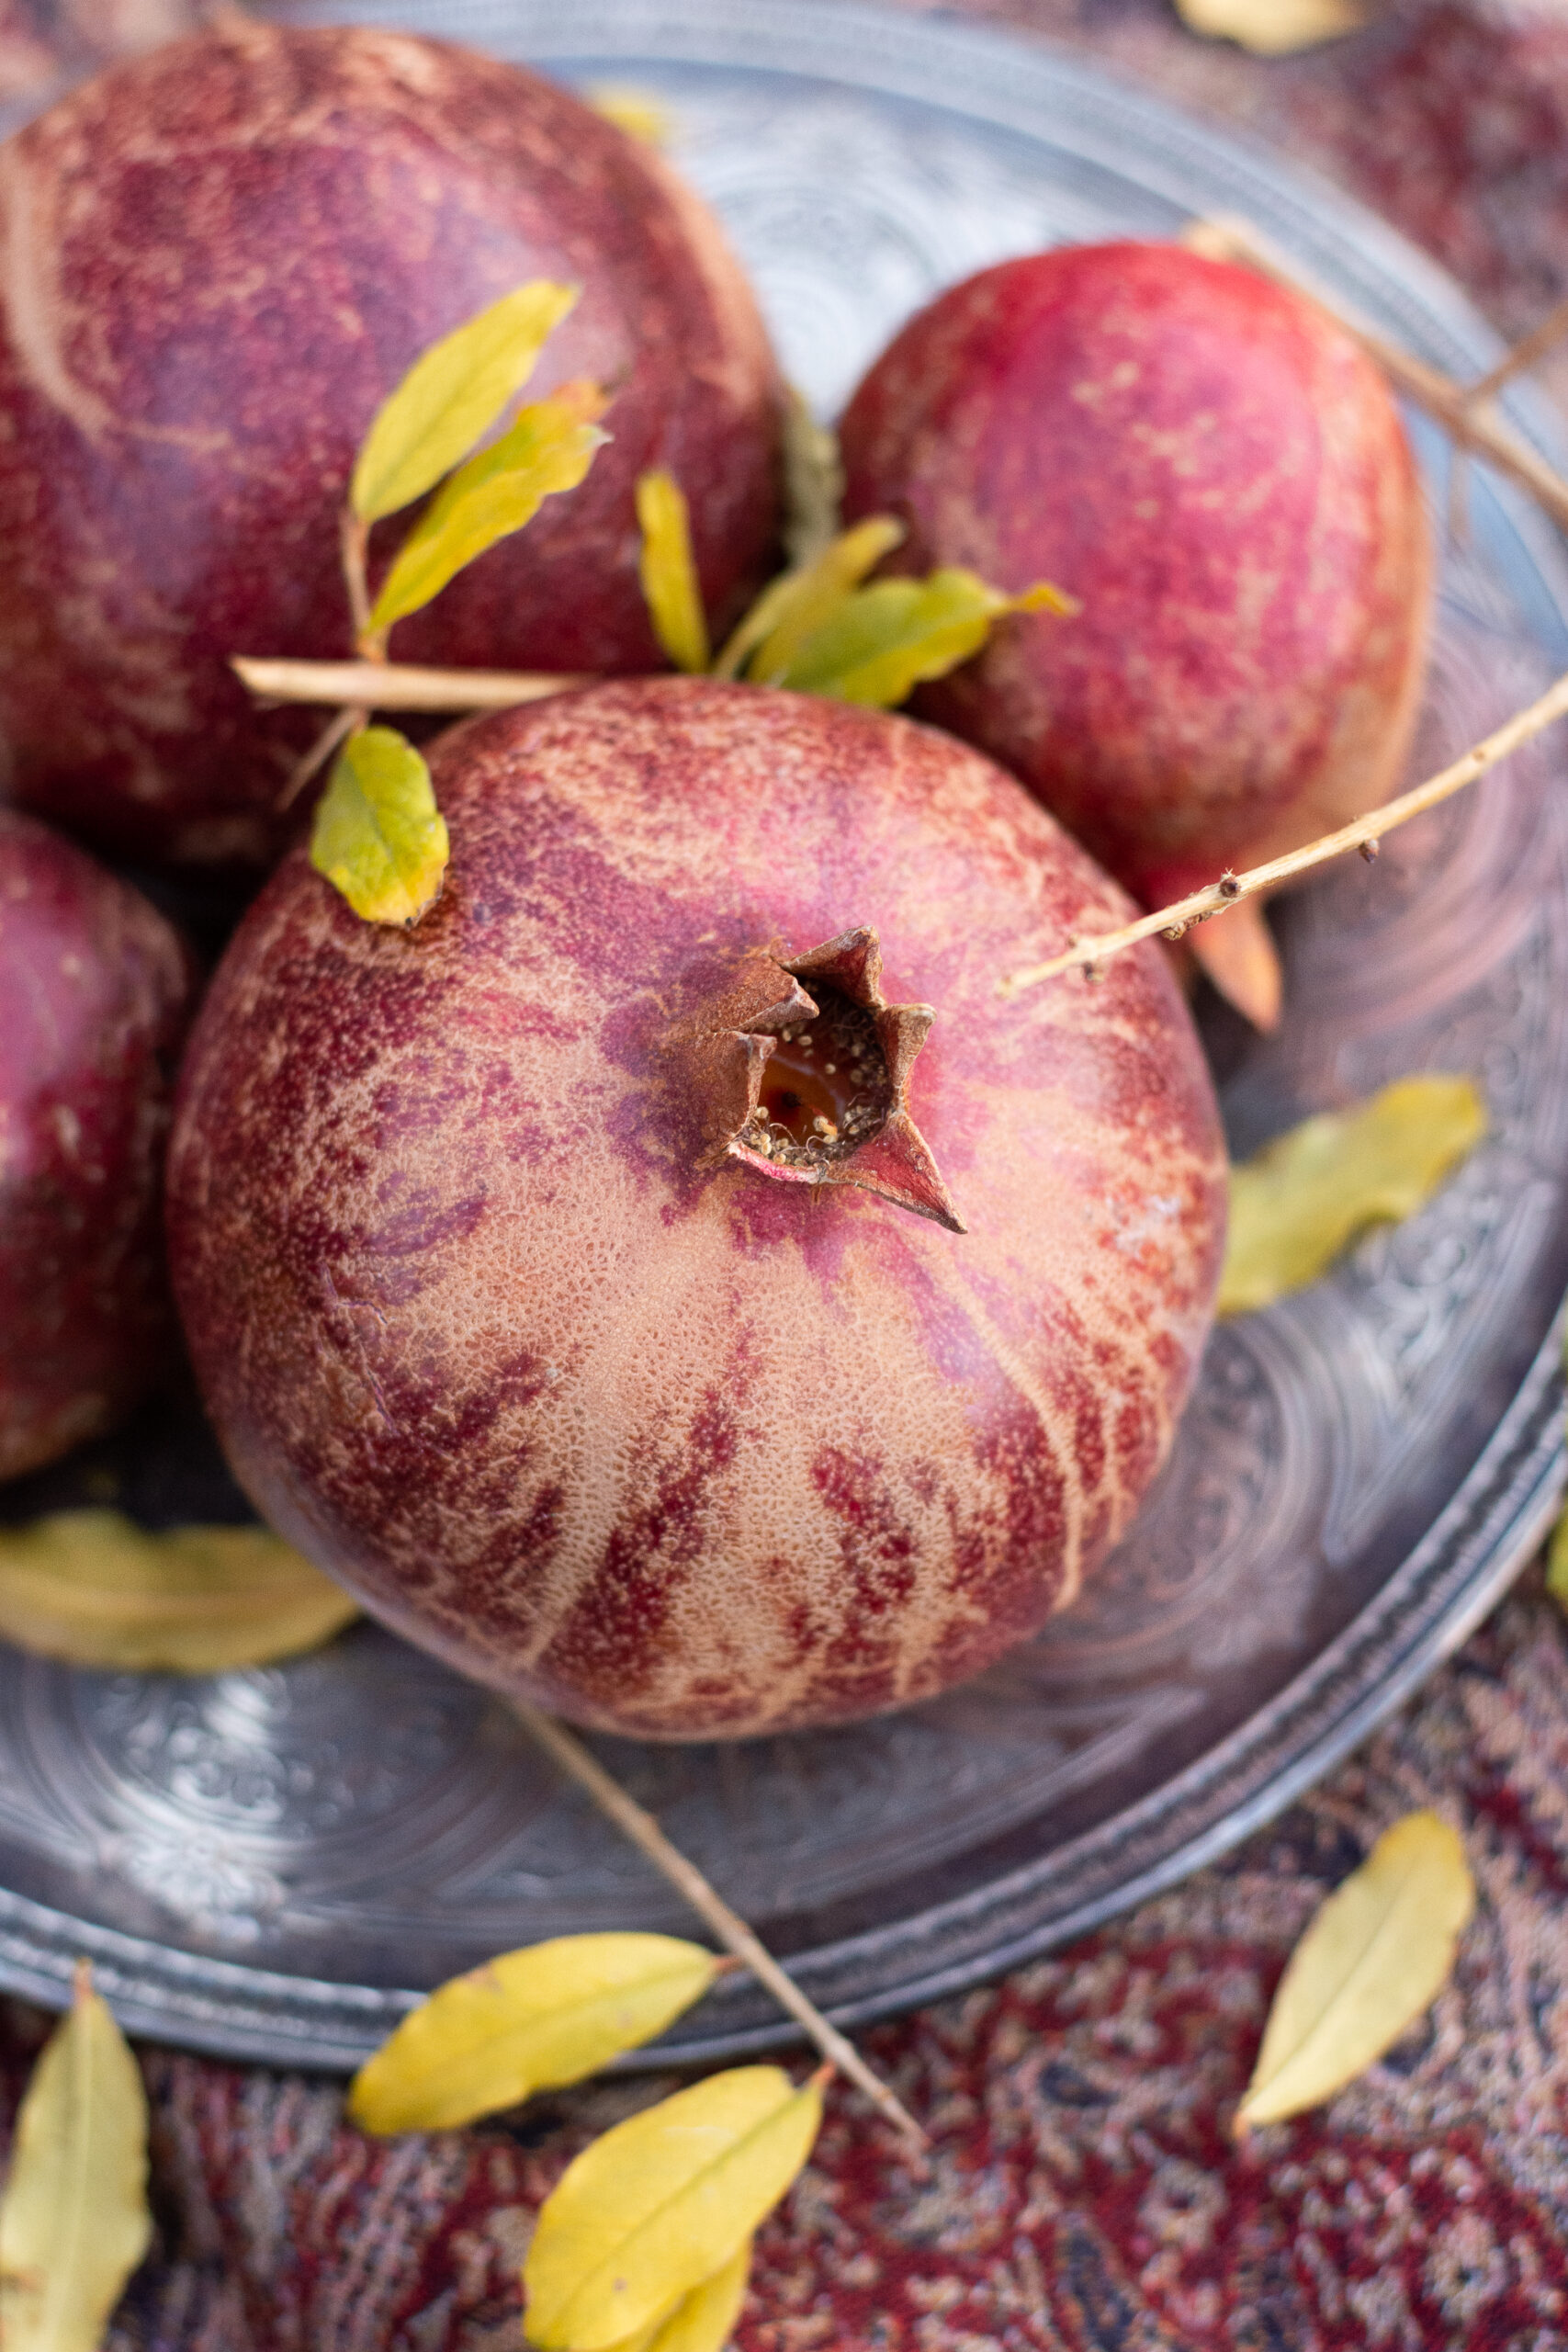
pixel 399 685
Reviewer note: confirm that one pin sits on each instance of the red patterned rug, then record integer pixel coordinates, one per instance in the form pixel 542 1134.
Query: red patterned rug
pixel 1083 2191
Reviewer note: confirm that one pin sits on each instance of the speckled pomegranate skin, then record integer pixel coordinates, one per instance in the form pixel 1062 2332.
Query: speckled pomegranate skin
pixel 1211 466
pixel 95 990
pixel 215 262
pixel 676 1450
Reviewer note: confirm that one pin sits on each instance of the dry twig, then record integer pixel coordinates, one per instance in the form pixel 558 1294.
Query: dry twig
pixel 399 685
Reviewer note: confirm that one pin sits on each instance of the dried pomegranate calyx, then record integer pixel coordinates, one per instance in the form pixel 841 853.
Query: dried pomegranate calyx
pixel 813 1088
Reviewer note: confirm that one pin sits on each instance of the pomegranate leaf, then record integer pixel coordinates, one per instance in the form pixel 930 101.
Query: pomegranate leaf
pixel 74 2220
pixel 884 640
pixel 92 1586
pixel 549 448
pixel 701 2321
pixel 637 112
pixel 814 483
pixel 1375 1955
pixel 1557 1562
pixel 450 394
pixel 1272 28
pixel 654 2208
pixel 668 574
pixel 795 607
pixel 1296 1204
pixel 379 836
pixel 528 2021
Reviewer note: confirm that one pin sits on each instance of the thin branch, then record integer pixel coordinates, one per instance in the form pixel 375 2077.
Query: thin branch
pixel 399 685
pixel 338 729
pixel 1525 353
pixel 354 540
pixel 1170 921
pixel 731 1930
pixel 1467 419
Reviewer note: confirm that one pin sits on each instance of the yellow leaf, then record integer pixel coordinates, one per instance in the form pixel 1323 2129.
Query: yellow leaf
pixel 379 836
pixel 668 572
pixel 788 612
pixel 450 394
pixel 655 2206
pixel 885 640
pixel 701 2321
pixel 91 1587
pixel 1272 28
pixel 1375 1955
pixel 1296 1204
pixel 1557 1562
pixel 637 112
pixel 814 483
pixel 73 2222
pixel 548 449
pixel 528 2021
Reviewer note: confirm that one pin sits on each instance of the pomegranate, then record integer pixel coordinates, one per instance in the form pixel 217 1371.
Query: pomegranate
pixel 218 259
pixel 96 988
pixel 1209 463
pixel 637 1295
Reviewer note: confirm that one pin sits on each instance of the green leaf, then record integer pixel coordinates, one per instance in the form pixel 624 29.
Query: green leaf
pixel 887 639
pixel 669 574
pixel 528 2021
pixel 701 2321
pixel 73 2222
pixel 91 1587
pixel 814 483
pixel 787 613
pixel 548 449
pixel 658 2205
pixel 1375 1955
pixel 379 837
pixel 1557 1562
pixel 450 394
pixel 1296 1204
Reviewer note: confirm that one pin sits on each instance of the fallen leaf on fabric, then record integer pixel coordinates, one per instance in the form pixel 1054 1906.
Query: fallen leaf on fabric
pixel 701 2321
pixel 1295 1203
pixel 73 2218
pixel 548 449
pixel 888 639
pixel 656 2206
pixel 1272 28
pixel 792 608
pixel 637 112
pixel 93 1588
pixel 450 394
pixel 1374 1957
pixel 668 574
pixel 528 2021
pixel 379 836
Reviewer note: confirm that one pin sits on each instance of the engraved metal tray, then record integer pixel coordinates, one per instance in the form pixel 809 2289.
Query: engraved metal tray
pixel 272 1864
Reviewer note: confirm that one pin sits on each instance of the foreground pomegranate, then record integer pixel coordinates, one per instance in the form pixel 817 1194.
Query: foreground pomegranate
pixel 217 260
pixel 582 1277
pixel 1211 466
pixel 95 989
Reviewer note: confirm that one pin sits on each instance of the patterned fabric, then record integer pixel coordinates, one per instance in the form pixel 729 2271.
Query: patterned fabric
pixel 1083 2190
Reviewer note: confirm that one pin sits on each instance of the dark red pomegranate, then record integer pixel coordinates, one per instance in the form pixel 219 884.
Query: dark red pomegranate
pixel 218 259
pixel 639 1296
pixel 1213 467
pixel 95 989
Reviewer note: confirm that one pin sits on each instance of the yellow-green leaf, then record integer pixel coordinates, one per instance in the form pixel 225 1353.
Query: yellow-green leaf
pixel 548 449
pixel 1272 28
pixel 528 2021
pixel 658 2205
pixel 378 835
pixel 814 483
pixel 885 640
pixel 701 2321
pixel 668 572
pixel 1375 1955
pixel 74 2220
pixel 91 1587
pixel 1296 1204
pixel 799 603
pixel 637 112
pixel 450 394
pixel 1557 1562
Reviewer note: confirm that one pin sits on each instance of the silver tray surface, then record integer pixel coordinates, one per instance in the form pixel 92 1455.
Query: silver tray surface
pixel 273 1864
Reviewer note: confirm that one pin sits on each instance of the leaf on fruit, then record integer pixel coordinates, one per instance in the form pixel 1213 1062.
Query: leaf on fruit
pixel 656 2207
pixel 548 449
pixel 793 608
pixel 92 1588
pixel 887 639
pixel 451 394
pixel 814 483
pixel 378 835
pixel 528 2021
pixel 1272 28
pixel 701 2321
pixel 1295 1205
pixel 668 574
pixel 74 2220
pixel 637 112
pixel 1373 1959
